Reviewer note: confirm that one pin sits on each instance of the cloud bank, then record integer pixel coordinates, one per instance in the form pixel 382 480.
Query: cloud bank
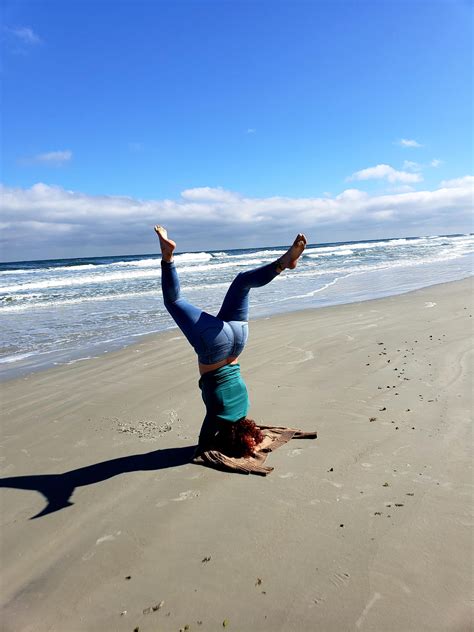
pixel 48 221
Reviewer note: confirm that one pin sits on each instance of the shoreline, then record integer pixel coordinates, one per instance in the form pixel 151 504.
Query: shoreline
pixel 366 528
pixel 72 357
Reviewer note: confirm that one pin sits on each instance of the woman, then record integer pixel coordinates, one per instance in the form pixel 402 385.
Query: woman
pixel 218 342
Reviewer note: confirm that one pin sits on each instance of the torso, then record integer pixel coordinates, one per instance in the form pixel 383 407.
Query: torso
pixel 205 368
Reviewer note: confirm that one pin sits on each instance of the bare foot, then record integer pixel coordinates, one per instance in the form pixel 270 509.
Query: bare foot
pixel 291 256
pixel 167 245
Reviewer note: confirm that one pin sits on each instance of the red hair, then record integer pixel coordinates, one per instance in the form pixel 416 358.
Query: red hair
pixel 238 439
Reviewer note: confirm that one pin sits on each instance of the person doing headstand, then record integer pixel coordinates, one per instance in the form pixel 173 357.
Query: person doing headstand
pixel 219 341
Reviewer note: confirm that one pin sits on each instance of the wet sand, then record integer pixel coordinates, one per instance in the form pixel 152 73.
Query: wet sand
pixel 366 528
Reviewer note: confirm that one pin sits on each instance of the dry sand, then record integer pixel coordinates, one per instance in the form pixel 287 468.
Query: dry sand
pixel 367 528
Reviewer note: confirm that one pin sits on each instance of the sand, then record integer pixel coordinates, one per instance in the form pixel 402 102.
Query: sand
pixel 366 528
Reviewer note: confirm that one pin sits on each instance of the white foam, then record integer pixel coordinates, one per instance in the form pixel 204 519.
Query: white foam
pixel 87 279
pixel 7 272
pixel 15 358
pixel 193 256
pixel 313 292
pixel 330 254
pixel 84 266
pixel 77 301
pixel 139 263
pixel 359 246
pixel 219 254
pixel 113 277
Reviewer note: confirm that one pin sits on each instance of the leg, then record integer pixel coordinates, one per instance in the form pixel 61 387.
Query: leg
pixel 185 315
pixel 236 301
pixel 211 338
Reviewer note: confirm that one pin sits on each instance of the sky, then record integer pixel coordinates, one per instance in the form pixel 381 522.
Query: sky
pixel 233 123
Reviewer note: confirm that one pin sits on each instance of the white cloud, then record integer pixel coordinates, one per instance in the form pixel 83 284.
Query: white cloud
pixel 26 35
pixel 209 194
pixel 41 220
pixel 20 39
pixel 406 142
pixel 385 172
pixel 250 130
pixel 52 157
pixel 465 181
pixel 400 188
pixel 412 166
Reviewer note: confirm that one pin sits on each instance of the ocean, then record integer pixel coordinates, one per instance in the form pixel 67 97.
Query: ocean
pixel 67 310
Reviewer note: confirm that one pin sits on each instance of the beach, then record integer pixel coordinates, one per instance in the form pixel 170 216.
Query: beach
pixel 367 528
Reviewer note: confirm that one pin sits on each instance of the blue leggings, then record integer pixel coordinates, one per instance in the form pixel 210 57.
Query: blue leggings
pixel 215 338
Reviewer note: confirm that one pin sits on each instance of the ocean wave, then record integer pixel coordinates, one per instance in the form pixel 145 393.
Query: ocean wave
pixel 19 271
pixel 12 298
pixel 24 302
pixel 358 246
pixel 16 357
pixel 262 254
pixel 113 277
pixel 137 263
pixel 77 301
pixel 82 266
pixel 188 257
pixel 204 263
pixel 329 254
pixel 88 279
pixel 382 265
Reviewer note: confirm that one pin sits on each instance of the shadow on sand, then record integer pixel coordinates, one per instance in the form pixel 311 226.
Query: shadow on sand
pixel 58 488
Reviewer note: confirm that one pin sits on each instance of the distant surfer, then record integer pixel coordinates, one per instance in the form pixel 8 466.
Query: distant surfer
pixel 218 342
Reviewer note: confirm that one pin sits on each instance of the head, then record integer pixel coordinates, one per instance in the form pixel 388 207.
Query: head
pixel 239 439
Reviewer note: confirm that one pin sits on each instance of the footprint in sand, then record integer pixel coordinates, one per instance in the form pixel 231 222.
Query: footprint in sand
pixel 306 356
pixel 295 452
pixel 190 493
pixel 430 304
pixel 337 485
pixel 287 475
pixel 108 538
pixel 375 597
pixel 317 601
pixel 340 579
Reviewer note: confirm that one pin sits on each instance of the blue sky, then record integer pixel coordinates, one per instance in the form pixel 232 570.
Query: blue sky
pixel 349 120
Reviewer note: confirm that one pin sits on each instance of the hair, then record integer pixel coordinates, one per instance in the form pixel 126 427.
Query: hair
pixel 238 439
